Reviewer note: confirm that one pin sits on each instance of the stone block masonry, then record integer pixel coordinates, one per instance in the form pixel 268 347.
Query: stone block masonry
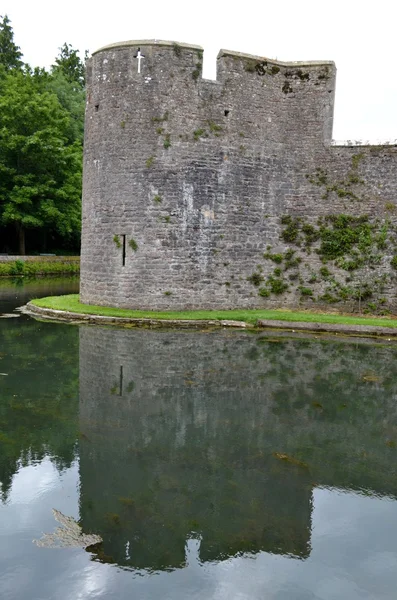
pixel 228 193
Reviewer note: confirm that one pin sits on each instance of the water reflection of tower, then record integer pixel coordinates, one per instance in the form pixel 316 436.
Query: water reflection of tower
pixel 178 430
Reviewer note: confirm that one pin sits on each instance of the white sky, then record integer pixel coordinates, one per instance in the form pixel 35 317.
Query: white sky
pixel 358 35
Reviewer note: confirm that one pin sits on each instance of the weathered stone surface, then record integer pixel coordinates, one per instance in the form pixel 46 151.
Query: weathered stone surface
pixel 189 178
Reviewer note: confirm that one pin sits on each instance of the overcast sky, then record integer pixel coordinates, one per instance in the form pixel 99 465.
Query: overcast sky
pixel 359 36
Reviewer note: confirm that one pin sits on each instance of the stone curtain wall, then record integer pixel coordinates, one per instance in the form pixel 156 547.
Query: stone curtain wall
pixel 208 194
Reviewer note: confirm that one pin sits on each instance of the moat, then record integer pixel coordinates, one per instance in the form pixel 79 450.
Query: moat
pixel 214 465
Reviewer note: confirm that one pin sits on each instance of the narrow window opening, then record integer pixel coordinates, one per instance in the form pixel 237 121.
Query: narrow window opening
pixel 123 242
pixel 96 107
pixel 121 381
pixel 227 113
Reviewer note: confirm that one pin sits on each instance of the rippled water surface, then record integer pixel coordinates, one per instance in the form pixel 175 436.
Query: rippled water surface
pixel 214 465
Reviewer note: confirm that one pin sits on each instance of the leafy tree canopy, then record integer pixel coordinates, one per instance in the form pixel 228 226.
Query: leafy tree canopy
pixel 72 99
pixel 70 65
pixel 41 137
pixel 40 165
pixel 10 53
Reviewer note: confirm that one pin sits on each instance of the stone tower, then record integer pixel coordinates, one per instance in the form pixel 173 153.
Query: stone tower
pixel 190 185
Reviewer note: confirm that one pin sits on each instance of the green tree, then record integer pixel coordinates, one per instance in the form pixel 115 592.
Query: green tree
pixel 72 99
pixel 67 81
pixel 70 65
pixel 10 53
pixel 40 162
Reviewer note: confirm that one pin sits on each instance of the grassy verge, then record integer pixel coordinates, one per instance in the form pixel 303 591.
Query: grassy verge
pixel 71 303
pixel 31 268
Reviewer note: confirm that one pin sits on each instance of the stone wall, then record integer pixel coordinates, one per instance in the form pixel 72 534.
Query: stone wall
pixel 188 183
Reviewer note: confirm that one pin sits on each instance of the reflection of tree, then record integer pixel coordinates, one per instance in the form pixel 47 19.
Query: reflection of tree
pixel 17 291
pixel 222 436
pixel 38 397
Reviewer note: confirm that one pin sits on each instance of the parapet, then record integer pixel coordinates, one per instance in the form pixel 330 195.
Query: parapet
pixel 273 61
pixel 138 43
pixel 267 98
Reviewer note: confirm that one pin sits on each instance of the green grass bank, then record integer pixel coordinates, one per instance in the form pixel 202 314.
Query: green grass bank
pixel 71 303
pixel 32 266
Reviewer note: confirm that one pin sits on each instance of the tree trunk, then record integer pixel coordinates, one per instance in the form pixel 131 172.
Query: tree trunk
pixel 21 239
pixel 44 239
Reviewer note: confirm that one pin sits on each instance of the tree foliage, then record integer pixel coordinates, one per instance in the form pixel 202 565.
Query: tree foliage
pixel 70 65
pixel 72 99
pixel 10 53
pixel 41 135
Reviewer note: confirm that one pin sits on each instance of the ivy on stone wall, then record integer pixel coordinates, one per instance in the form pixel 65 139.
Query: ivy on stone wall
pixel 332 260
pixel 350 187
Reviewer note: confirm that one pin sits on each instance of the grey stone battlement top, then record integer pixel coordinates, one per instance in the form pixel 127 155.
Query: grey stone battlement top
pixel 129 43
pixel 221 53
pixel 273 61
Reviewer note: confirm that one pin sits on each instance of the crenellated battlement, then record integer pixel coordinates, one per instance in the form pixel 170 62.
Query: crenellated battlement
pixel 260 89
pixel 178 48
pixel 193 177
pixel 272 61
pixel 145 43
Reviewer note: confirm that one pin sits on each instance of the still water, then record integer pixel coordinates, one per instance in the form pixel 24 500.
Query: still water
pixel 214 465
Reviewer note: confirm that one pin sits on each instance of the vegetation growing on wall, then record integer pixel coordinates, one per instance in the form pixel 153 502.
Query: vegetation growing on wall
pixel 214 129
pixel 161 119
pixel 198 133
pixel 196 72
pixel 287 88
pixel 324 74
pixel 167 141
pixel 133 244
pixel 177 49
pixel 350 187
pixel 297 74
pixel 261 68
pixel 337 258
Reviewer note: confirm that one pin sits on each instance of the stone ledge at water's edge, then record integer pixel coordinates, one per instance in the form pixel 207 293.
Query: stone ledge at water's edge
pixel 68 316
pixel 336 328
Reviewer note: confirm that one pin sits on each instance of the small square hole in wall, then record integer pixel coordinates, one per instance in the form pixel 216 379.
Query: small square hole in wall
pixel 96 107
pixel 227 113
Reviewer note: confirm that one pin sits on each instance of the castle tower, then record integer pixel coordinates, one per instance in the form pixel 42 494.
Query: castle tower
pixel 185 178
